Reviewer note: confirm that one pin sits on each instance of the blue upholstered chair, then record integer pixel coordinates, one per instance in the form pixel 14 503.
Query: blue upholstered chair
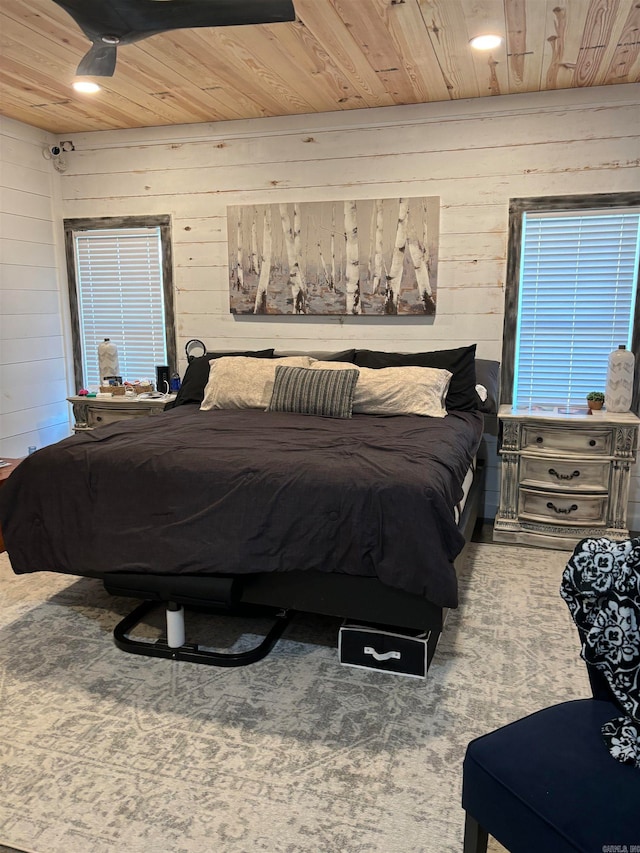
pixel 567 778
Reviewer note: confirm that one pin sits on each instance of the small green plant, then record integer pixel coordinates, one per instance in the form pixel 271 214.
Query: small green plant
pixel 598 396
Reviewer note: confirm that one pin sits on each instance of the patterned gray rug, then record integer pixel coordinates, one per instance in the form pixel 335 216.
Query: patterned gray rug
pixel 107 752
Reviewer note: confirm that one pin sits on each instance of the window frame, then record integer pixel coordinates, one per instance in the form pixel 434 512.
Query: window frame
pixel 552 204
pixel 99 223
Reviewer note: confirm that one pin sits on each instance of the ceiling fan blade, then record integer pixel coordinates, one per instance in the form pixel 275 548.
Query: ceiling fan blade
pixel 132 20
pixel 126 21
pixel 102 17
pixel 163 15
pixel 100 61
pixel 231 13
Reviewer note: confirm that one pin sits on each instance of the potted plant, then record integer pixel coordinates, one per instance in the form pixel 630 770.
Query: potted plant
pixel 595 400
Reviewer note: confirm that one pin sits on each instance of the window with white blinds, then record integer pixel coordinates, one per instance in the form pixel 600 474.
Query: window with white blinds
pixel 120 296
pixel 577 289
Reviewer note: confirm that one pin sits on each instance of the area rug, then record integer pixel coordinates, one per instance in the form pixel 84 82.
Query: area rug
pixel 108 752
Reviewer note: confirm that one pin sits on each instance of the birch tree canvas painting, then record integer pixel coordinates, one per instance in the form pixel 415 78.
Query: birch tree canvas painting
pixel 366 256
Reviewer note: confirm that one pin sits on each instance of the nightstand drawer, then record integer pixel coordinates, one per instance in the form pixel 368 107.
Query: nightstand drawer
pixel 595 441
pixel 102 416
pixel 567 475
pixel 92 412
pixel 563 508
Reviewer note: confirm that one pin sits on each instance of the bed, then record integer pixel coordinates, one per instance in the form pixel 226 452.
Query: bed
pixel 358 509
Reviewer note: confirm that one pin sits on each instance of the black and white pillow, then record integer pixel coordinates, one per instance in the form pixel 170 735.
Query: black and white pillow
pixel 327 393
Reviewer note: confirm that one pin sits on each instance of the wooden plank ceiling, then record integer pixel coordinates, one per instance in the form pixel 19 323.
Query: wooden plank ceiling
pixel 337 55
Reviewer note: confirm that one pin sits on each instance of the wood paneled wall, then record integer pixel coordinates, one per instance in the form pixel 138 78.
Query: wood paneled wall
pixel 475 155
pixel 33 365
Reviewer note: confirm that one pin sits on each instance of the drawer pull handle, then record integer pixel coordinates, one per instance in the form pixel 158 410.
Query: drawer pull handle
pixel 369 650
pixel 98 417
pixel 554 473
pixel 560 510
pixel 539 439
pixel 592 442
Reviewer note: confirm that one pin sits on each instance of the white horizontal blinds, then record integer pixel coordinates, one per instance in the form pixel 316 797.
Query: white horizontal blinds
pixel 578 281
pixel 120 296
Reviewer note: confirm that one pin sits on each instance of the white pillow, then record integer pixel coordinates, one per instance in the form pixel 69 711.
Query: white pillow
pixel 397 390
pixel 239 382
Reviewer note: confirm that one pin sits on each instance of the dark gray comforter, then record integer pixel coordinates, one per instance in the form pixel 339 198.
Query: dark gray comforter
pixel 235 492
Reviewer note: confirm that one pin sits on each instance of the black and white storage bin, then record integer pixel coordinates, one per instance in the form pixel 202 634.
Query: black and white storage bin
pixel 383 650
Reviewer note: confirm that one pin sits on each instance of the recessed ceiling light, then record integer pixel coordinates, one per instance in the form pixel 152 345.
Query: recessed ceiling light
pixel 86 86
pixel 485 42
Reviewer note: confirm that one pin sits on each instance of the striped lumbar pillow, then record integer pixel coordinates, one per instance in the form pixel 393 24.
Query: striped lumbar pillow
pixel 328 393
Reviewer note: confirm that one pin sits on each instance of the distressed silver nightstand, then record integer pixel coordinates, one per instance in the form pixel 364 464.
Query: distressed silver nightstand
pixel 92 412
pixel 564 476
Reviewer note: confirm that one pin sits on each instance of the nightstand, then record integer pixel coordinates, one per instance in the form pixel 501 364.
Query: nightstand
pixel 564 477
pixel 92 412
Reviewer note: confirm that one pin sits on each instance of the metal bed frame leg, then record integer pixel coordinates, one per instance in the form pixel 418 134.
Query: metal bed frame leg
pixel 174 645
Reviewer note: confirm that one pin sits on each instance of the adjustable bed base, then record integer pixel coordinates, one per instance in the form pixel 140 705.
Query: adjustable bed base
pixel 245 510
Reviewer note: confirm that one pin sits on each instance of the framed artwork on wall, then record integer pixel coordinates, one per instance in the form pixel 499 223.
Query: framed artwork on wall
pixel 365 256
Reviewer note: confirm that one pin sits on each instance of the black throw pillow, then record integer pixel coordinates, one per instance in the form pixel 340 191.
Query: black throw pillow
pixel 196 375
pixel 461 396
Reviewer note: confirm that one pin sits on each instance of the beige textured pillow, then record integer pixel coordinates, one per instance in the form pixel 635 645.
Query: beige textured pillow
pixel 240 382
pixel 397 390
